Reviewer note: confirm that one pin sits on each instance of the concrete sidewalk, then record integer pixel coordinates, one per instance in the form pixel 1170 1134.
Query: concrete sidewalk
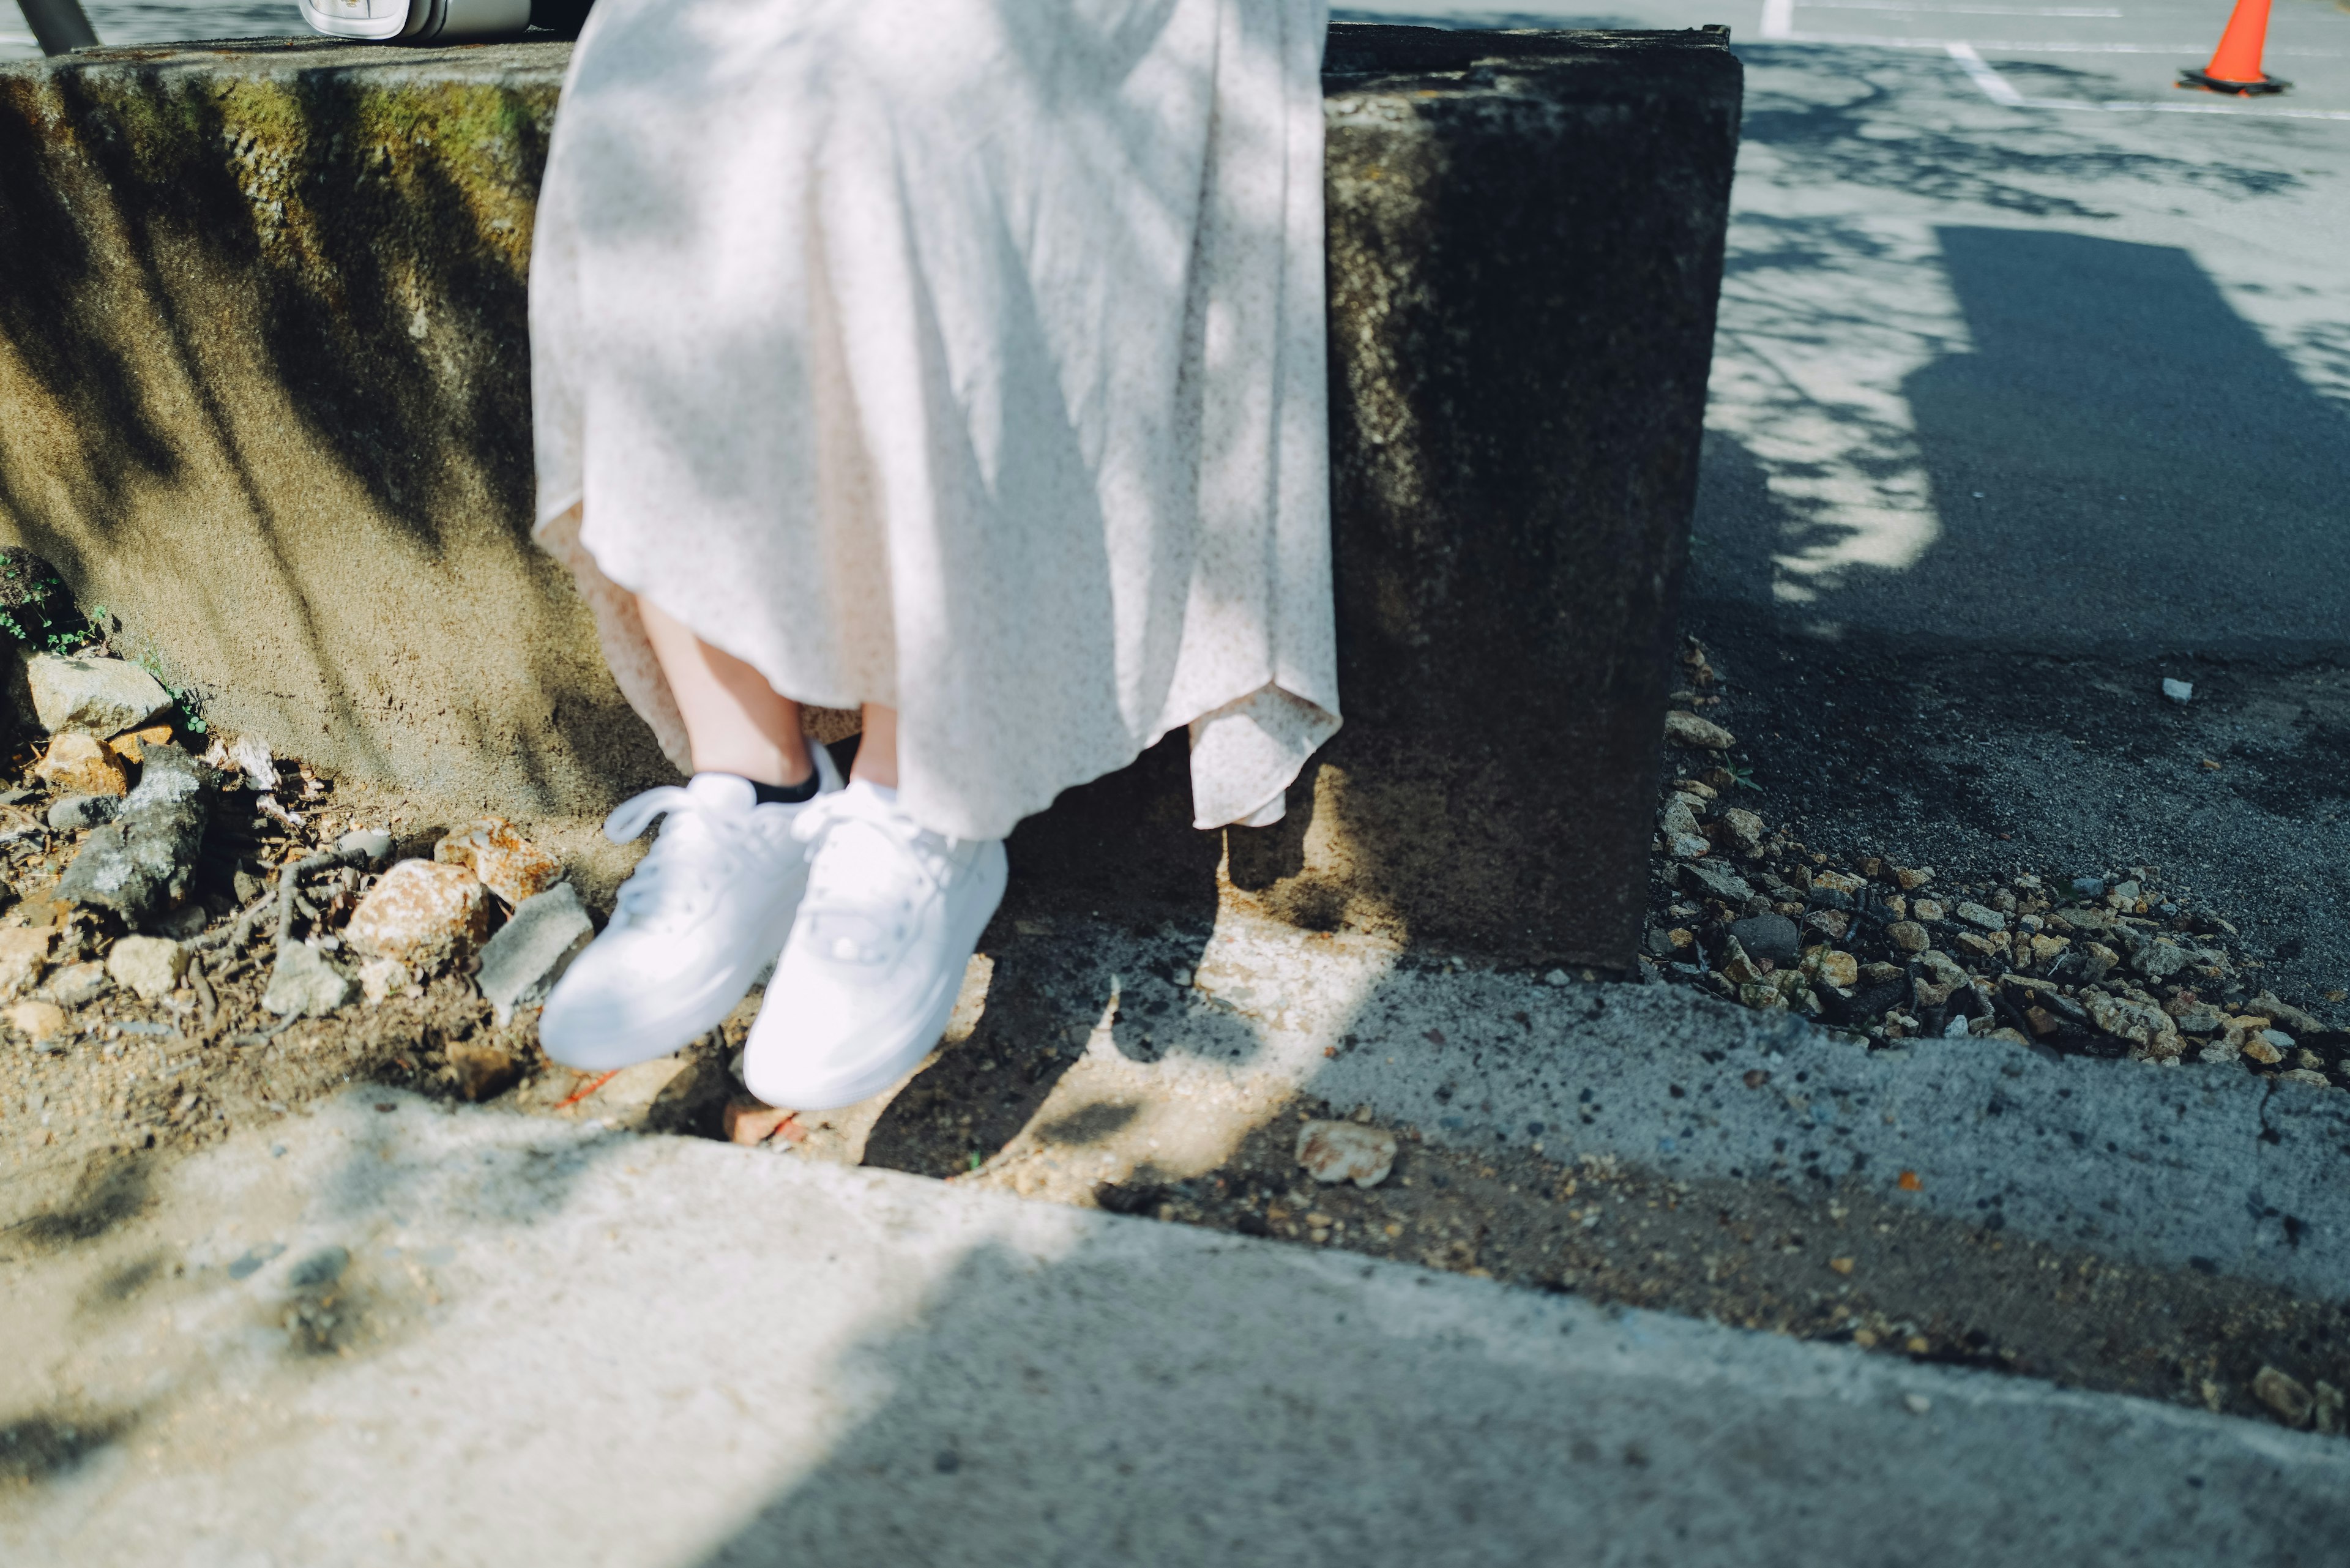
pixel 408 1335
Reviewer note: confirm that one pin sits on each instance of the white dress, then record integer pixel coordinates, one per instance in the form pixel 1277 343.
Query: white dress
pixel 961 356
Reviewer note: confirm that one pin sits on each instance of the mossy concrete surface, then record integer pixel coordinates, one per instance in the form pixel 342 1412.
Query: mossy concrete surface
pixel 265 395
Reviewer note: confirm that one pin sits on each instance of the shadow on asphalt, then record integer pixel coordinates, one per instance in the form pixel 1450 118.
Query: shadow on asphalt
pixel 2124 455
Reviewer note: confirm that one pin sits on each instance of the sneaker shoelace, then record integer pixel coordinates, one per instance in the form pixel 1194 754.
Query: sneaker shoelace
pixel 674 885
pixel 870 864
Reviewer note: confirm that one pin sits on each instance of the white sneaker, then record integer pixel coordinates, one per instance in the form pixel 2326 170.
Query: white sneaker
pixel 869 977
pixel 707 907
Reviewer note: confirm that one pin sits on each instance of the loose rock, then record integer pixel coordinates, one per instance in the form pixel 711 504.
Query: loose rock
pixel 2326 1412
pixel 151 966
pixel 1769 938
pixel 93 696
pixel 73 813
pixel 1743 829
pixel 1840 970
pixel 2284 1396
pixel 2146 1026
pixel 423 914
pixel 521 964
pixel 381 979
pixel 1912 878
pixel 78 983
pixel 305 984
pixel 132 747
pixel 1908 935
pixel 1715 881
pixel 2291 1017
pixel 1689 730
pixel 144 861
pixel 1677 825
pixel 78 764
pixel 1981 919
pixel 37 1021
pixel 24 954
pixel 2178 690
pixel 509 865
pixel 1345 1151
pixel 483 1072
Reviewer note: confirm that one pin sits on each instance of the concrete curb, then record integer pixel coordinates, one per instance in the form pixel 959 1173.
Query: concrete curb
pixel 554 1345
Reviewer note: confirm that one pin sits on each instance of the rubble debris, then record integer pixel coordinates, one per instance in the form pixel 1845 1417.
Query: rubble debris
pixel 23 955
pixel 144 861
pixel 1689 730
pixel 2178 691
pixel 2118 964
pixel 78 984
pixel 509 865
pixel 37 1021
pixel 92 695
pixel 424 914
pixel 2284 1396
pixel 249 754
pixel 381 979
pixel 149 966
pixel 132 747
pixel 529 953
pixel 1345 1151
pixel 482 1071
pixel 305 983
pixel 78 813
pixel 77 765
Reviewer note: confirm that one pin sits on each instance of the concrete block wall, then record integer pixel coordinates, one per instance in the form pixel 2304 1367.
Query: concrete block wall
pixel 265 394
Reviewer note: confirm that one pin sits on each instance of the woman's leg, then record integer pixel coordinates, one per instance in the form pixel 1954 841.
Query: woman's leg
pixel 877 749
pixel 734 721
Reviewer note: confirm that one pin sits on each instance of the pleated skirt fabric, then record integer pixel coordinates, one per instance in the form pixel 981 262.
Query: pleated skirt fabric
pixel 961 356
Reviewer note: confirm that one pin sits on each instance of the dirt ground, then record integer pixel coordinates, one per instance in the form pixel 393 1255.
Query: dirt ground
pixel 89 1117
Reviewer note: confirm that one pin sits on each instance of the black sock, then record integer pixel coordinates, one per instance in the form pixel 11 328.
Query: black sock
pixel 783 795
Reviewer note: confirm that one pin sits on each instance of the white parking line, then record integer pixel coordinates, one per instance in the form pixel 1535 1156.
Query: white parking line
pixel 2103 13
pixel 2016 46
pixel 2000 91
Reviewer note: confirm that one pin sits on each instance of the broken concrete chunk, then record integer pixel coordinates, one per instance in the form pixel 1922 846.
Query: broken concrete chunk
pixel 509 865
pixel 422 914
pixel 1345 1151
pixel 151 966
pixel 73 813
pixel 144 861
pixel 78 764
pixel 305 984
pixel 93 696
pixel 521 964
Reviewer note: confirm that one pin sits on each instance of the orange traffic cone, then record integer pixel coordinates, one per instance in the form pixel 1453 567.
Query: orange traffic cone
pixel 2235 65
